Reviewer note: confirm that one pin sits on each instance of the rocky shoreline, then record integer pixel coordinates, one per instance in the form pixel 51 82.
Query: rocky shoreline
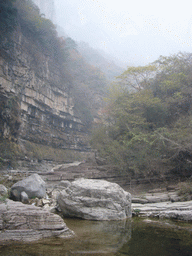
pixel 37 219
pixel 168 210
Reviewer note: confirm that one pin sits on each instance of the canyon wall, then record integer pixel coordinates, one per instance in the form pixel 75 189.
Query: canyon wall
pixel 36 102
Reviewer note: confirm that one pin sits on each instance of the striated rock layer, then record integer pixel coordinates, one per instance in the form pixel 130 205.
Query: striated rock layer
pixel 169 210
pixel 95 200
pixel 35 96
pixel 26 223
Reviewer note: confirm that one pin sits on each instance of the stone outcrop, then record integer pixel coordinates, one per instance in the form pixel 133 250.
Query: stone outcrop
pixel 170 210
pixel 33 186
pixel 37 105
pixel 26 223
pixel 95 200
pixel 157 197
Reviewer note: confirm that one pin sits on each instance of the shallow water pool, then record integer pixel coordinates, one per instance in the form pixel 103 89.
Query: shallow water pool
pixel 135 237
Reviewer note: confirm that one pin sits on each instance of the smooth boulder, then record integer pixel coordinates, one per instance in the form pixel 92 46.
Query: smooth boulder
pixel 33 186
pixel 95 200
pixel 26 223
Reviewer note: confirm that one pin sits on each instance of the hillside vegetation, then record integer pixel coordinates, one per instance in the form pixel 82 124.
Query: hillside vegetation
pixel 146 128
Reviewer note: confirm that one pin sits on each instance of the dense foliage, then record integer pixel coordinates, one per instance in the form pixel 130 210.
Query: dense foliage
pixel 147 123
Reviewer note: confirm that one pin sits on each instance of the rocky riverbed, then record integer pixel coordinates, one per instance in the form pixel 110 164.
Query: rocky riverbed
pixel 34 217
pixel 170 210
pixel 38 219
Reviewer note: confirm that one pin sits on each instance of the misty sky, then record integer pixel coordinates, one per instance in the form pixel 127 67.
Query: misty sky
pixel 134 31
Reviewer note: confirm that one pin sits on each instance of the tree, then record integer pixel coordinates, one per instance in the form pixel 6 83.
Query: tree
pixel 138 78
pixel 146 130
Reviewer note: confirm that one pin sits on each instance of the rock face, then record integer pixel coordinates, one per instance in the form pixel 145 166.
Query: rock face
pixel 33 186
pixel 37 105
pixel 26 223
pixel 95 200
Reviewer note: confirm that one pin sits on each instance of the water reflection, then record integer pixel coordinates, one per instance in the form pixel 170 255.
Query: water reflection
pixel 92 238
pixel 101 237
pixel 135 237
pixel 158 238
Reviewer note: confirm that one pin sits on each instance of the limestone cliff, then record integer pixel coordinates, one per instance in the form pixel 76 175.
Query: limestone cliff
pixel 49 95
pixel 36 104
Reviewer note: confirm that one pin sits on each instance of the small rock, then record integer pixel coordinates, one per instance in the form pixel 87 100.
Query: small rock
pixel 24 198
pixel 64 183
pixel 10 178
pixel 45 201
pixel 46 206
pixel 3 190
pixel 38 202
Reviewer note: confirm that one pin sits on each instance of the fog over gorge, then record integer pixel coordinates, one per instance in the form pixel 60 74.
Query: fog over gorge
pixel 95 127
pixel 133 32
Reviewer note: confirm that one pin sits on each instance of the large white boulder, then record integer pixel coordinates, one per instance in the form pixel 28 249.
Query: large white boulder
pixel 33 186
pixel 95 200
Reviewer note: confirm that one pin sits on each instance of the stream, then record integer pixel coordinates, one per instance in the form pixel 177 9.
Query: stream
pixel 135 237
